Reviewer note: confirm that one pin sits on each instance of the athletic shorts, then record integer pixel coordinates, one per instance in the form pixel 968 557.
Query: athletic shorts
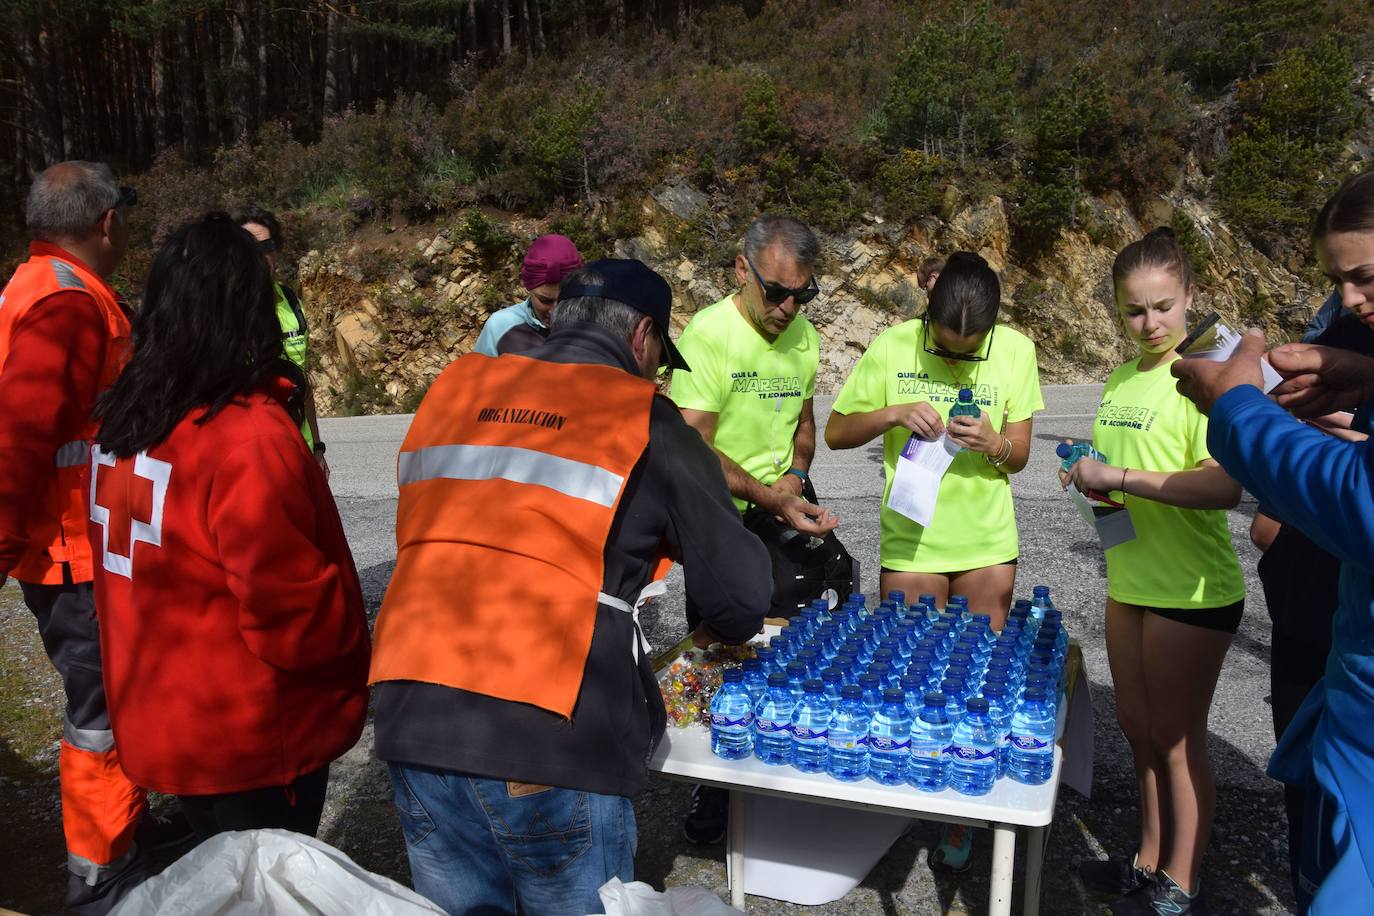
pixel 1223 619
pixel 905 572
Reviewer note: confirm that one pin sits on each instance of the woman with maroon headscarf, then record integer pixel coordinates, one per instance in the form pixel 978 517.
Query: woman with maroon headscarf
pixel 524 325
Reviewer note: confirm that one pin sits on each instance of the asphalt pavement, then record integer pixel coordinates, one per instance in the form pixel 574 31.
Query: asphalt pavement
pixel 1245 871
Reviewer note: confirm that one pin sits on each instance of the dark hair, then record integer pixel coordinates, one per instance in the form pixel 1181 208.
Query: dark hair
pixel 252 213
pixel 1350 209
pixel 1158 249
pixel 207 334
pixel 931 265
pixel 966 296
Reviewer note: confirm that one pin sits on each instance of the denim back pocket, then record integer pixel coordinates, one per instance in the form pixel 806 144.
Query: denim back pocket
pixel 415 820
pixel 542 833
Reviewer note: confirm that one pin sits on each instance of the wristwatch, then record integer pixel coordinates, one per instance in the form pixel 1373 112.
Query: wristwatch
pixel 319 448
pixel 797 472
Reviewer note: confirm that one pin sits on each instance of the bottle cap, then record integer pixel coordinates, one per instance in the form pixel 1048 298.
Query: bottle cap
pixel 894 695
pixel 897 596
pixel 813 685
pixel 868 681
pixel 935 698
pixel 966 394
pixel 832 674
pixel 777 679
pixel 912 682
pixel 763 654
pixel 977 705
pixel 733 675
pixel 796 669
pixel 880 670
pixel 851 692
pixel 752 664
pixel 1035 694
pixel 1040 591
pixel 1063 450
pixel 950 686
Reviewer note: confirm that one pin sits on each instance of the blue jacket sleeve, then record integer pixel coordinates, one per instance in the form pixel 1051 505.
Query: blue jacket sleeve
pixel 1320 484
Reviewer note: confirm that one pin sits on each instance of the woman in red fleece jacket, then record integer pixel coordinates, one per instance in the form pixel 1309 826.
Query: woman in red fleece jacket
pixel 231 620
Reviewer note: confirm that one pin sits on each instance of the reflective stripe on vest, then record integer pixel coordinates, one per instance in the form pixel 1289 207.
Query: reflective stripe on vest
pixel 57 524
pixel 510 477
pixel 73 454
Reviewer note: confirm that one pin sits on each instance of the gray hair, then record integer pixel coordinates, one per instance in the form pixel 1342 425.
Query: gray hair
pixel 795 237
pixel 616 317
pixel 67 199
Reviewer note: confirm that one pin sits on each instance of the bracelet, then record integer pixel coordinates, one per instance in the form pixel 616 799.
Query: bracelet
pixel 797 472
pixel 1003 453
pixel 319 448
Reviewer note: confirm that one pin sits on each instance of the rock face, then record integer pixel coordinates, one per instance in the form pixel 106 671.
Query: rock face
pixel 428 297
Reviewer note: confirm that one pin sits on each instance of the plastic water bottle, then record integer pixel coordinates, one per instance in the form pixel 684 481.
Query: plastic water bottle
pixel 732 718
pixel 1031 760
pixel 833 679
pixel 848 738
pixel 872 691
pixel 913 688
pixel 810 728
pixel 755 680
pixel 767 660
pixel 897 597
pixel 1040 602
pixel 841 618
pixel 965 406
pixel 810 622
pixel 773 722
pixel 1000 711
pixel 884 673
pixel 973 752
pixel 796 679
pixel 953 692
pixel 848 665
pixel 782 654
pixel 889 739
pixel 1071 453
pixel 812 660
pixel 931 734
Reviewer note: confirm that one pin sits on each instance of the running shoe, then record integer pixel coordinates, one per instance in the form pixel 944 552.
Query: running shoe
pixel 708 816
pixel 1114 877
pixel 1163 898
pixel 952 855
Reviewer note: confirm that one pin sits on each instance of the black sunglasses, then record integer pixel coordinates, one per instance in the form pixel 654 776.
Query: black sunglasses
pixel 267 246
pixel 777 294
pixel 127 197
pixel 950 354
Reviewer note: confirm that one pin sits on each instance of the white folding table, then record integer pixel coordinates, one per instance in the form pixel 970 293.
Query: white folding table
pixel 685 754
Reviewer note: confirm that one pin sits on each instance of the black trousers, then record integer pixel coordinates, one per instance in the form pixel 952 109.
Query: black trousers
pixel 296 806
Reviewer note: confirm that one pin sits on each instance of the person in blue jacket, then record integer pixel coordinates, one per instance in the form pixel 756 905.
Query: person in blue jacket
pixel 1323 485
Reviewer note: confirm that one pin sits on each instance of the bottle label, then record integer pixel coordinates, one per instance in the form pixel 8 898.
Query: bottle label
pixel 720 720
pixel 809 735
pixel 1028 743
pixel 889 745
pixel 769 726
pixel 969 753
pixel 848 742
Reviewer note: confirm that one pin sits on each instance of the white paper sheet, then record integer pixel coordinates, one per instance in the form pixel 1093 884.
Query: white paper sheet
pixel 916 482
pixel 1112 523
pixel 1224 340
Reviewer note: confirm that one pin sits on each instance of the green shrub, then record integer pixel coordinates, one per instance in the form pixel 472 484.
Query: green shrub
pixel 363 394
pixel 493 243
pixel 1191 240
pixel 909 185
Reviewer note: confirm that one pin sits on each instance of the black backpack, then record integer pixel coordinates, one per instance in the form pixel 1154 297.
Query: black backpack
pixel 804 568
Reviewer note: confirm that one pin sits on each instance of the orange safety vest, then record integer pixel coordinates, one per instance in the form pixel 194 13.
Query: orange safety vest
pixel 57 527
pixel 510 477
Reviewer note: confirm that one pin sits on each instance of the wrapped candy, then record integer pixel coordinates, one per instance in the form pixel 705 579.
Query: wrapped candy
pixel 693 679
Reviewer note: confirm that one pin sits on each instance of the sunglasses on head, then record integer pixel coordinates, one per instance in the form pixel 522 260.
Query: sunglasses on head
pixel 267 246
pixel 777 294
pixel 942 353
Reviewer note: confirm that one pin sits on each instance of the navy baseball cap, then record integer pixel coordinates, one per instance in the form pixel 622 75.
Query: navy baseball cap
pixel 633 283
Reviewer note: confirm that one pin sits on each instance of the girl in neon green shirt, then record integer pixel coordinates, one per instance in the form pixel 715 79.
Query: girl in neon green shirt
pixel 1174 594
pixel 905 384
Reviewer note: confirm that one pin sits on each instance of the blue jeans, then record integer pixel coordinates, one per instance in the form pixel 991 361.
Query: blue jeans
pixel 477 846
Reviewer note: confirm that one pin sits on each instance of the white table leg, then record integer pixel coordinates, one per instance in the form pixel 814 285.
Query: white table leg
pixel 1036 837
pixel 737 849
pixel 1003 858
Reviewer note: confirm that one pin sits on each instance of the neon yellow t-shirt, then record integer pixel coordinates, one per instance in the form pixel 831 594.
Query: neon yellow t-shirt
pixel 755 387
pixel 1180 558
pixel 974 523
pixel 293 344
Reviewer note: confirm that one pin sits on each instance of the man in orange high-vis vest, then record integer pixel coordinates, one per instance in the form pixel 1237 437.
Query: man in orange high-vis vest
pixel 63 338
pixel 515 702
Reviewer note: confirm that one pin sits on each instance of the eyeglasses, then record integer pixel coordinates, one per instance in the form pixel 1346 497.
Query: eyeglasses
pixel 267 246
pixel 950 354
pixel 127 197
pixel 777 294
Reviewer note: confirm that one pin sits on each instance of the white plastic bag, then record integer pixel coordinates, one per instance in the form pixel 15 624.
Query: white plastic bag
pixel 639 899
pixel 270 871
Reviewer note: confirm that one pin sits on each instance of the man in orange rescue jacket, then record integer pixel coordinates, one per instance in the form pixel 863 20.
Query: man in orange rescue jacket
pixel 64 336
pixel 539 494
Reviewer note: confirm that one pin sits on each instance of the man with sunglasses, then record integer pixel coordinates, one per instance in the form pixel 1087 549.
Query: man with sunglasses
pixel 295 333
pixel 524 325
pixel 754 360
pixel 64 336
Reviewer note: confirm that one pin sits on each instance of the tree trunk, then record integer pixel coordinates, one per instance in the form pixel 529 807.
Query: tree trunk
pixel 190 133
pixel 159 90
pixel 537 16
pixel 332 62
pixel 240 91
pixel 474 41
pixel 261 38
pixel 505 28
